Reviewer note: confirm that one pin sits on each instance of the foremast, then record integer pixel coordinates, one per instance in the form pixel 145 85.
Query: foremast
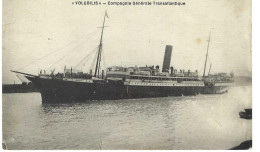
pixel 100 48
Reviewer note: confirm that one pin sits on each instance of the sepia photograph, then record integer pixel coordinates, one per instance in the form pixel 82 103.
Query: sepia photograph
pixel 126 75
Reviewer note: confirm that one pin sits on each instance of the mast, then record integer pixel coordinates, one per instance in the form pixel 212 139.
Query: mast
pixel 206 56
pixel 100 48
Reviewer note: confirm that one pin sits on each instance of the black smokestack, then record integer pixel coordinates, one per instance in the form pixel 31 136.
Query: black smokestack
pixel 167 58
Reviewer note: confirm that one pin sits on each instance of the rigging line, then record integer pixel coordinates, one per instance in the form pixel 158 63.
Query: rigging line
pixel 210 62
pixel 93 62
pixel 209 59
pixel 198 65
pixel 21 78
pixel 207 54
pixel 86 61
pixel 73 50
pixel 55 51
pixel 104 61
pixel 100 57
pixel 81 61
pixel 209 68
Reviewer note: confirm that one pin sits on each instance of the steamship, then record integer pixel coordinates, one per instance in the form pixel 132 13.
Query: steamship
pixel 119 82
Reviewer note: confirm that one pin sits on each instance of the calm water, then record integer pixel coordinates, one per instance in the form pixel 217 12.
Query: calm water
pixel 198 122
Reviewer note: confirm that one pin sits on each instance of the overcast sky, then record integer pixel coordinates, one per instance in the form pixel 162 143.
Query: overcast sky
pixel 136 35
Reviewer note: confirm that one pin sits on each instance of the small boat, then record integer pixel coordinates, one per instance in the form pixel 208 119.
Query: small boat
pixel 243 146
pixel 247 114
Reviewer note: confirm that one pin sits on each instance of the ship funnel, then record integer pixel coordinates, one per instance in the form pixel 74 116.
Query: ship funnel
pixel 167 58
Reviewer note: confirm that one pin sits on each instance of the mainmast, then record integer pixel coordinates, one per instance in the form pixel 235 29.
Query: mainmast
pixel 206 56
pixel 100 47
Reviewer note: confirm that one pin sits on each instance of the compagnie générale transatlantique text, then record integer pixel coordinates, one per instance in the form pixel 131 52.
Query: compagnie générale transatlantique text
pixel 129 3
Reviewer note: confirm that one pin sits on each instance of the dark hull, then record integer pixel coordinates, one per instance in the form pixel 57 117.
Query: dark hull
pixel 247 114
pixel 58 91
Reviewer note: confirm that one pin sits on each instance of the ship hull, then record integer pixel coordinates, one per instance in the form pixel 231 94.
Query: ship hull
pixel 59 91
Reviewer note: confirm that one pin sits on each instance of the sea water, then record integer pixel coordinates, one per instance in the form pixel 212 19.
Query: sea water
pixel 187 122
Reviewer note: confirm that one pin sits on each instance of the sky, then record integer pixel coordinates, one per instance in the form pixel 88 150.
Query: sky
pixel 48 34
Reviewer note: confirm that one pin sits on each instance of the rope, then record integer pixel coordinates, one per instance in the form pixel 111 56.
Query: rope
pixel 93 62
pixel 79 63
pixel 53 52
pixel 199 65
pixel 103 57
pixel 21 79
pixel 73 50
